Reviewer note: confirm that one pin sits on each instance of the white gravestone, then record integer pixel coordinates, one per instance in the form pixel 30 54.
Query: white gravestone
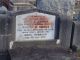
pixel 35 26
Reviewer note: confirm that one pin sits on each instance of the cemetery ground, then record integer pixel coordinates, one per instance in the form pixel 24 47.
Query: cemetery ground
pixel 36 53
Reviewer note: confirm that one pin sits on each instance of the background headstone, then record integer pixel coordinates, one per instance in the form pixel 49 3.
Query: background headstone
pixel 23 4
pixel 65 31
pixel 6 30
pixel 58 6
pixel 5 35
pixel 76 36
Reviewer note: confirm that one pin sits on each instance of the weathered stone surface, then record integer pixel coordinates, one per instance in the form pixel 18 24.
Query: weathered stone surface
pixel 58 6
pixel 5 31
pixel 76 37
pixel 65 31
pixel 48 5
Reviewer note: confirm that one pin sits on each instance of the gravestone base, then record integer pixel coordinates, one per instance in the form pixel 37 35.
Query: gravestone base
pixel 40 44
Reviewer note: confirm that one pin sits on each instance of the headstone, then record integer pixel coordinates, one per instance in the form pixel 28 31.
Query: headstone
pixel 48 5
pixel 58 6
pixel 76 36
pixel 36 27
pixel 5 31
pixel 5 35
pixel 65 31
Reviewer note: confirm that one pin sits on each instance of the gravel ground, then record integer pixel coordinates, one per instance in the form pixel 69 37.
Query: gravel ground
pixel 40 54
